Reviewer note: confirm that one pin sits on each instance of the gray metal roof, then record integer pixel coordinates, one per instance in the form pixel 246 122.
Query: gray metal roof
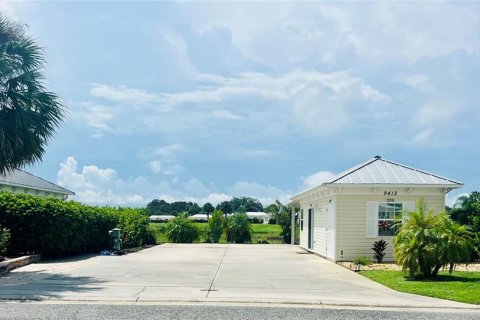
pixel 378 171
pixel 382 171
pixel 20 178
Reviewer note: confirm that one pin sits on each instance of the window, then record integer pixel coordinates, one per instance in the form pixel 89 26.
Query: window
pixel 388 214
pixel 301 219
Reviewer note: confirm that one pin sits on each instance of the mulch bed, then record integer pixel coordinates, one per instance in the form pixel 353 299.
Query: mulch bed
pixel 474 266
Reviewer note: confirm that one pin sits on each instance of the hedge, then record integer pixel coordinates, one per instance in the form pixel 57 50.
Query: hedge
pixel 55 227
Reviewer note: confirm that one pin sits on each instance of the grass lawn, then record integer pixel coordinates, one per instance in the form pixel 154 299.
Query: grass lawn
pixel 268 232
pixel 459 286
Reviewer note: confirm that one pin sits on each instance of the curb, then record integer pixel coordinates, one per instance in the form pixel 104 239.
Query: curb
pixel 7 266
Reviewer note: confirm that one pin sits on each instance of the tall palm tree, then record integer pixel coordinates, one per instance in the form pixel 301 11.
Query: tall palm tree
pixel 29 113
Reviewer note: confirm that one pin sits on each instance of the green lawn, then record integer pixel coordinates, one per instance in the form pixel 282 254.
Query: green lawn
pixel 268 232
pixel 459 286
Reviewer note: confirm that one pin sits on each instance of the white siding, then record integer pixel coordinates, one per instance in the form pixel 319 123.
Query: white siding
pixel 352 223
pixel 319 224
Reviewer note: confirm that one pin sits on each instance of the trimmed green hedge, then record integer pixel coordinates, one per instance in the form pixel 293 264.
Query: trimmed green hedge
pixel 55 227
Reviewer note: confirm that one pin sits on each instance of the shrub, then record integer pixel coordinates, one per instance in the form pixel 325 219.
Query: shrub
pixel 379 250
pixel 363 261
pixel 55 227
pixel 4 242
pixel 182 230
pixel 425 243
pixel 238 229
pixel 215 225
pixel 135 227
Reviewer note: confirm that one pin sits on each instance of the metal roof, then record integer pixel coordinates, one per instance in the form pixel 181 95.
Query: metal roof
pixel 20 178
pixel 382 171
pixel 378 171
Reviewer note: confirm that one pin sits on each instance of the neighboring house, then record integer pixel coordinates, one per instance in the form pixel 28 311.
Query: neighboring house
pixel 161 218
pixel 341 219
pixel 263 216
pixel 19 181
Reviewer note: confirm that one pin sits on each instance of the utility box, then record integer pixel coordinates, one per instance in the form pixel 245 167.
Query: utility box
pixel 115 234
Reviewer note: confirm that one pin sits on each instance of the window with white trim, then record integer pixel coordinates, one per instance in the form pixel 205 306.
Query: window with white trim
pixel 388 214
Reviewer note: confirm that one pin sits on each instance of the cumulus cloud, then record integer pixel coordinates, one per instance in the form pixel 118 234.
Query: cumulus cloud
pixel 103 186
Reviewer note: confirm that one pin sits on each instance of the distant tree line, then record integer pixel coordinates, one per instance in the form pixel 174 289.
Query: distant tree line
pixel 243 204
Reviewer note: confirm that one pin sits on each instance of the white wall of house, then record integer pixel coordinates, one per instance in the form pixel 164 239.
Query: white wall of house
pixel 350 216
pixel 34 192
pixel 352 237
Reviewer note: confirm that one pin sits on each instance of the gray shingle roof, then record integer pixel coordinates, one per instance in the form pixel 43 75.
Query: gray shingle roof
pixel 382 171
pixel 21 178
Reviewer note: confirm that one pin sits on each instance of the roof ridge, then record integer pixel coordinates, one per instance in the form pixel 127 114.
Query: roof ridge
pixel 354 169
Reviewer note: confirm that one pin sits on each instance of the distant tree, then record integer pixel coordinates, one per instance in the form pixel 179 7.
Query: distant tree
pixel 225 207
pixel 178 207
pixel 29 113
pixel 466 211
pixel 192 208
pixel 247 203
pixel 207 209
pixel 274 211
pixel 157 207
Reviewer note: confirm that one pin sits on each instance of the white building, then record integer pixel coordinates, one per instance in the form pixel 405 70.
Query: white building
pixel 341 219
pixel 161 218
pixel 19 181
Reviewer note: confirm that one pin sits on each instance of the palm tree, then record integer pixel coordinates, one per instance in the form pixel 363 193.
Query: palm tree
pixel 455 245
pixel 425 243
pixel 29 114
pixel 413 244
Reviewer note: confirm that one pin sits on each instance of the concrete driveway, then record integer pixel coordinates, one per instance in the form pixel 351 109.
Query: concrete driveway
pixel 207 273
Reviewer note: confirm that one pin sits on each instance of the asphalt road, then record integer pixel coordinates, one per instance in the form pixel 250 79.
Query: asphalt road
pixel 18 310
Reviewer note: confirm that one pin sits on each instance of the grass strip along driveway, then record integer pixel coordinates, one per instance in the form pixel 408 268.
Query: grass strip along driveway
pixel 260 233
pixel 458 286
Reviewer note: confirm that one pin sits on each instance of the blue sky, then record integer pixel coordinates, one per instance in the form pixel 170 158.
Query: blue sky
pixel 204 101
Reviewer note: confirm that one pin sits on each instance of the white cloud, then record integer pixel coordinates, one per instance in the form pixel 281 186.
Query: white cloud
pixel 122 94
pixel 168 151
pixel 417 82
pixel 318 178
pixel 433 121
pixel 291 34
pixel 97 186
pixel 155 166
pixel 320 102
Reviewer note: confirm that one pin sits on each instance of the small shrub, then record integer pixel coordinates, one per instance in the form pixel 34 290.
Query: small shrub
pixel 379 250
pixel 135 227
pixel 238 229
pixel 262 241
pixel 215 226
pixel 363 261
pixel 4 242
pixel 182 230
